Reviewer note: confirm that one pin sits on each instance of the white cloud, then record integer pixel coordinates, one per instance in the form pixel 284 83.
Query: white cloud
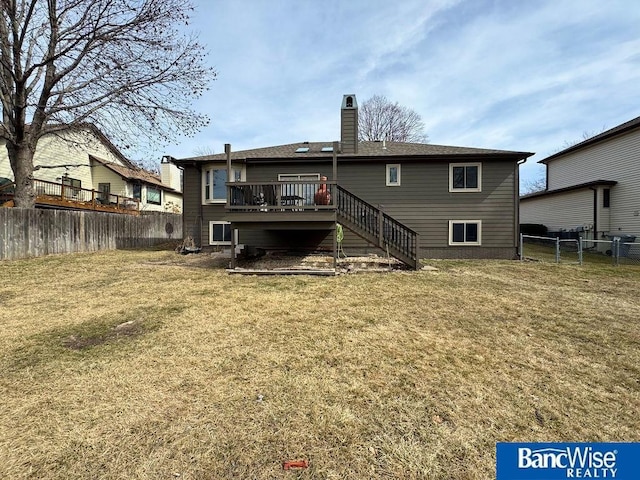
pixel 497 74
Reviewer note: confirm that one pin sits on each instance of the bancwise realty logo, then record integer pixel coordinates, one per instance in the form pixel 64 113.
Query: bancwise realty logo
pixel 551 461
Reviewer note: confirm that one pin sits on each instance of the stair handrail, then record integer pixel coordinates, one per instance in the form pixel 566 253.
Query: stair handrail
pixel 374 221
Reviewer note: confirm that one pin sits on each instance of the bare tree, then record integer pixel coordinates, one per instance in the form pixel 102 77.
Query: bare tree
pixel 121 65
pixel 204 150
pixel 380 119
pixel 586 135
pixel 534 185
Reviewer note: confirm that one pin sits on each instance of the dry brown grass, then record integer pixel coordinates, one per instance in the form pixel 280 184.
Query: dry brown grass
pixel 399 375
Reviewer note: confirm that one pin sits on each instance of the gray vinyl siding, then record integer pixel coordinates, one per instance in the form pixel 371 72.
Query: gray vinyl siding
pixel 422 201
pixel 192 201
pixel 269 172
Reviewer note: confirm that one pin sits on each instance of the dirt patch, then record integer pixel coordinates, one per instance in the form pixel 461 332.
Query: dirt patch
pixel 126 329
pixel 288 261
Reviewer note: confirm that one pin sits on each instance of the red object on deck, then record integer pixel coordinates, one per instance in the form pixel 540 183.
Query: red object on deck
pixel 322 196
pixel 289 464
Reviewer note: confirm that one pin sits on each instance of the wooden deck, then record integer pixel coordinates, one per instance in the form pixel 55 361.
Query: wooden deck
pixel 61 196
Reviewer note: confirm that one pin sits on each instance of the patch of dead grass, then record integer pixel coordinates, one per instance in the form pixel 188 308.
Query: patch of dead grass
pixel 405 375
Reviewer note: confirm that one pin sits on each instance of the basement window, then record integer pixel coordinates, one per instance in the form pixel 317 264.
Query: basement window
pixel 465 232
pixel 220 233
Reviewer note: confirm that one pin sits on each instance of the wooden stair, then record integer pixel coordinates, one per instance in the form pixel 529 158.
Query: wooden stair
pixel 375 226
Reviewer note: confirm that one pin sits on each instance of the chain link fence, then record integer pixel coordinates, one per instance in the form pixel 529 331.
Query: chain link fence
pixel 615 251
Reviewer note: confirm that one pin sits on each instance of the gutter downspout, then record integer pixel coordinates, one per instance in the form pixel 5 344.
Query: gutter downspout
pixel 516 216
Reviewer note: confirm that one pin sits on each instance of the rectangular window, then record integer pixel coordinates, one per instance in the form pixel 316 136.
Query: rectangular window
pixel 207 185
pixel 105 190
pixel 465 177
pixel 219 189
pixel 137 191
pixel 214 184
pixel 220 233
pixel 393 175
pixel 71 182
pixel 154 195
pixel 606 198
pixel 465 232
pixel 299 192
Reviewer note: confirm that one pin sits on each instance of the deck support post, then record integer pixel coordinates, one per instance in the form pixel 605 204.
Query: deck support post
pixel 232 263
pixel 227 151
pixel 335 246
pixel 335 161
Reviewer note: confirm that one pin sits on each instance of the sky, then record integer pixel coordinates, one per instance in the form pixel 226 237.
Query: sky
pixel 524 75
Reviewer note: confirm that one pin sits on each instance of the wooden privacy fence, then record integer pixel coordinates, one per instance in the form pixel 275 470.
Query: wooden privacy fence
pixel 34 232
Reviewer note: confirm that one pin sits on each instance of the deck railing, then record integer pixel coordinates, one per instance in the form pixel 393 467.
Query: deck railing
pixel 281 196
pixel 367 220
pixel 60 194
pixel 385 230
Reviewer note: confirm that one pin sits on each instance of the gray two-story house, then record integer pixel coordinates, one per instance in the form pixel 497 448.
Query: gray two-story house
pixel 411 200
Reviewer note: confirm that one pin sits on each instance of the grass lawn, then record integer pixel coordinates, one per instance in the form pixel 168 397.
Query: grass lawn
pixel 158 366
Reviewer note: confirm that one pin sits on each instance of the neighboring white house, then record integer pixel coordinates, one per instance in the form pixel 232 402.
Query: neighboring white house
pixel 87 159
pixel 593 187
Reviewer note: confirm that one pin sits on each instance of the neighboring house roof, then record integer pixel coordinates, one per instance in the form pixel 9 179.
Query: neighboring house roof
pixel 366 150
pixel 133 174
pixel 109 145
pixel 544 193
pixel 620 129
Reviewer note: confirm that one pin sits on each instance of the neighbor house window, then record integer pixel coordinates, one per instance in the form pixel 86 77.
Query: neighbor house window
pixel 71 182
pixel 137 191
pixel 393 175
pixel 154 195
pixel 105 190
pixel 220 233
pixel 606 197
pixel 465 177
pixel 465 232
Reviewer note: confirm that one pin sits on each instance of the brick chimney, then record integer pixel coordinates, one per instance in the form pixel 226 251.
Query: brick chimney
pixel 349 124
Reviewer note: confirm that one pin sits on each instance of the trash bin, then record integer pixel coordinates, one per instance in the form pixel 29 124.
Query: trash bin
pixel 624 240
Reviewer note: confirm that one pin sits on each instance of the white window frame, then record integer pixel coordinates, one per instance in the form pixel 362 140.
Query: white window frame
pixel 465 222
pixel 209 170
pixel 389 183
pixel 221 242
pixel 465 189
pixel 304 191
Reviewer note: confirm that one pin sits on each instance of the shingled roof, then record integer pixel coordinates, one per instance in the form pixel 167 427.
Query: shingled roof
pixel 135 173
pixel 366 150
pixel 620 129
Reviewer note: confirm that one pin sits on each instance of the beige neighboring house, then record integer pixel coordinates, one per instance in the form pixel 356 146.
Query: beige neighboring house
pixel 593 188
pixel 85 161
